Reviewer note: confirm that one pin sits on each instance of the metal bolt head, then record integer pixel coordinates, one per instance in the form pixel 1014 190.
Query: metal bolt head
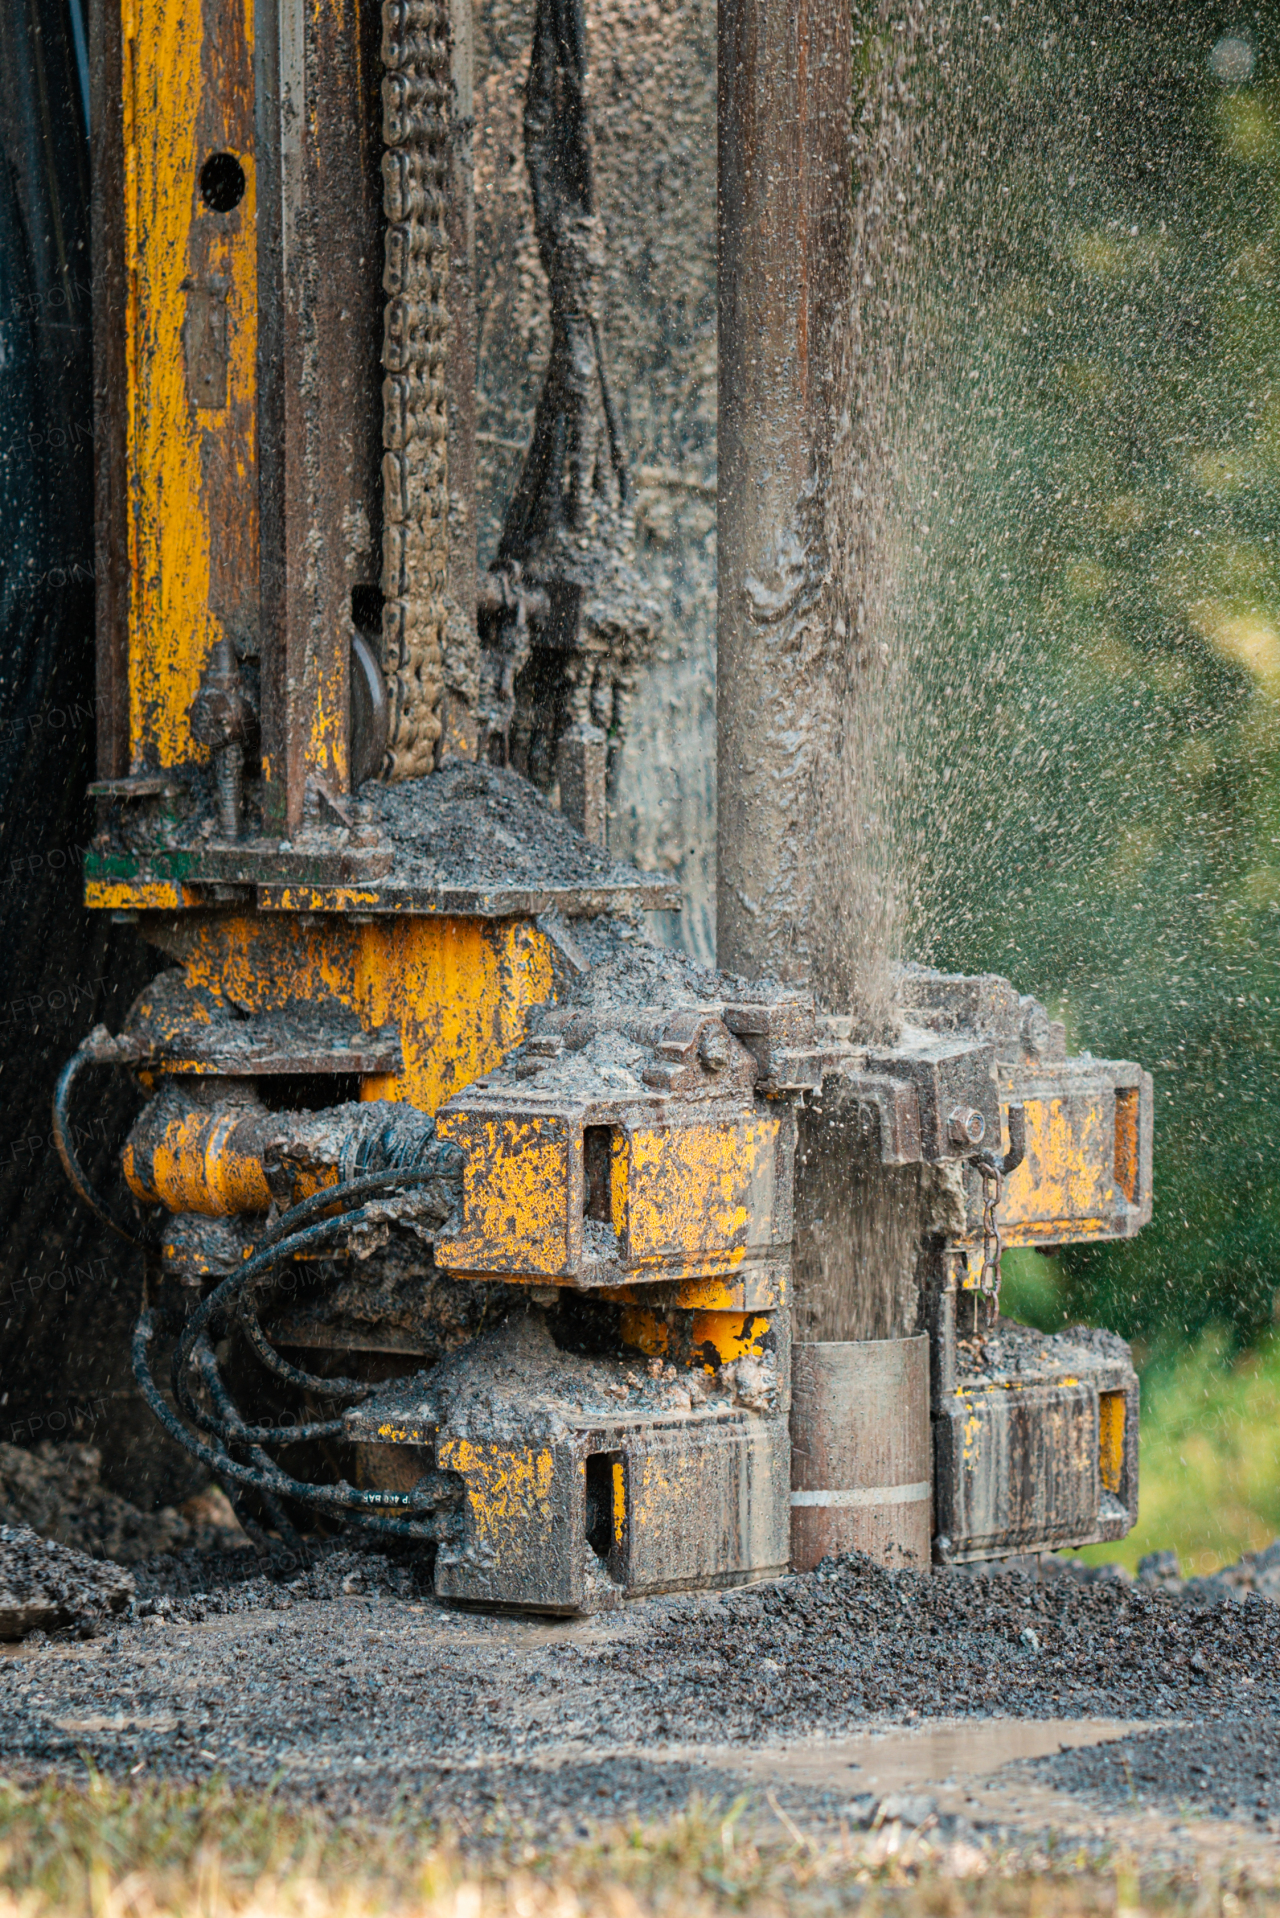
pixel 966 1126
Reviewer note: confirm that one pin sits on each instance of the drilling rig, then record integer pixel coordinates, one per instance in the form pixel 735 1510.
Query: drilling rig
pixel 468 1211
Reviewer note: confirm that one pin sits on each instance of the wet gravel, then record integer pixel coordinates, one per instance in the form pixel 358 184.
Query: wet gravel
pixel 1228 1770
pixel 350 1685
pixel 45 1586
pixel 852 1643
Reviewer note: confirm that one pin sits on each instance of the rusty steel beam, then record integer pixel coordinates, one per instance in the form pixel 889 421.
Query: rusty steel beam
pixel 320 321
pixel 784 253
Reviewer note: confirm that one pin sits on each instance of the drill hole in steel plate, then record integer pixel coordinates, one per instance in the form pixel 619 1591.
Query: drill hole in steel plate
pixel 222 183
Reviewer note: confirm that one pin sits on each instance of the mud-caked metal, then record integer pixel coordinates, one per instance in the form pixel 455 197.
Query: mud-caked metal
pixel 463 1182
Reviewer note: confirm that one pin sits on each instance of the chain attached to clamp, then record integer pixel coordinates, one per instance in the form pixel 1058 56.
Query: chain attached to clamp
pixel 992 1184
pixel 993 1171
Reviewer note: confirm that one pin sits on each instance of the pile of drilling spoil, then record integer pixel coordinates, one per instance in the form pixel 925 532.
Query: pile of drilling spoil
pixel 348 1684
pixel 485 829
pixel 47 1587
pixel 57 1490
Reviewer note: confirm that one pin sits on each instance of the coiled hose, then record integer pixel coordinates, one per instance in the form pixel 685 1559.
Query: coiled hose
pixel 226 1429
pixel 411 1156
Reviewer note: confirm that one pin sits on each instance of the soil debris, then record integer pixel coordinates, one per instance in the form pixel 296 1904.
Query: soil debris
pixel 1224 1772
pixel 484 828
pixel 46 1587
pixel 192 1586
pixel 57 1491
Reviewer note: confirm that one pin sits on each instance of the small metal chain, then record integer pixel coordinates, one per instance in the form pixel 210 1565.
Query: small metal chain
pixel 417 98
pixel 992 1184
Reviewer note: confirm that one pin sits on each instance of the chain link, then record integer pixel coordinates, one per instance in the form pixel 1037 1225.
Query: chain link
pixel 992 1185
pixel 416 98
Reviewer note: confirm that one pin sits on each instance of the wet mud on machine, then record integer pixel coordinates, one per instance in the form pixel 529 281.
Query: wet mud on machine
pixel 470 1214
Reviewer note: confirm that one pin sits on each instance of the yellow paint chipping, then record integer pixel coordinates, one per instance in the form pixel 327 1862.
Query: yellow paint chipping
pixel 459 991
pixel 506 1487
pixel 192 469
pixel 695 1190
pixel 521 1195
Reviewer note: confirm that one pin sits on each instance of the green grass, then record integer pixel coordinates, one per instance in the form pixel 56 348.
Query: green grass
pixel 1210 1457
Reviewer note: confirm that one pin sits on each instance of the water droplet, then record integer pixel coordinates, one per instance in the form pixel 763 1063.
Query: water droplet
pixel 1232 61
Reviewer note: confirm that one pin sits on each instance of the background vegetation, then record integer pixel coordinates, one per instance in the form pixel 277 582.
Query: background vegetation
pixel 1090 595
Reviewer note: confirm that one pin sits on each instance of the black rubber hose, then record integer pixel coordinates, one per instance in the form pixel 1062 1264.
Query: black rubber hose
pixel 230 1412
pixel 356 1507
pixel 330 1195
pixel 260 1266
pixel 247 1318
pixel 230 1428
pixel 77 1177
pixel 265 1352
pixel 281 1241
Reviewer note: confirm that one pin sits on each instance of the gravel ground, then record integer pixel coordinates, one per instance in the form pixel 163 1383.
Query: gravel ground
pixel 1226 1770
pixel 351 1686
pixel 46 1587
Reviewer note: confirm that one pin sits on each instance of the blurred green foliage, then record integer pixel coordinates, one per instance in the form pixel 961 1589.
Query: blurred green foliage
pixel 1089 591
pixel 1210 1461
pixel 1209 1474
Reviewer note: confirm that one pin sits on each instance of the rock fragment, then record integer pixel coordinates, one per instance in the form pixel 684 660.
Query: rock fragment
pixel 45 1586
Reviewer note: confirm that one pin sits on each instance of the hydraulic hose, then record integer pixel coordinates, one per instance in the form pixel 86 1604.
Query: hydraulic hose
pixel 297 1230
pixel 77 1177
pixel 341 1500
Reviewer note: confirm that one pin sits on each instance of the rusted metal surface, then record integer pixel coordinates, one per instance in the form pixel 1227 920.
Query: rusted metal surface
pixel 179 1027
pixel 784 247
pixel 454 994
pixel 615 1140
pixel 893 1139
pixel 581 759
pixel 188 401
pixel 324 387
pixel 1086 1173
pixel 699 1172
pixel 1036 1439
pixel 861 1452
pixel 587 1480
pixel 458 704
pixel 417 91
pixel 568 526
pixel 1082 1167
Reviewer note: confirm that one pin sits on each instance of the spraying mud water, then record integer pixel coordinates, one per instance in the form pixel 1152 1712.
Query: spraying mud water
pixel 1058 750
pixel 995 633
pixel 1034 595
